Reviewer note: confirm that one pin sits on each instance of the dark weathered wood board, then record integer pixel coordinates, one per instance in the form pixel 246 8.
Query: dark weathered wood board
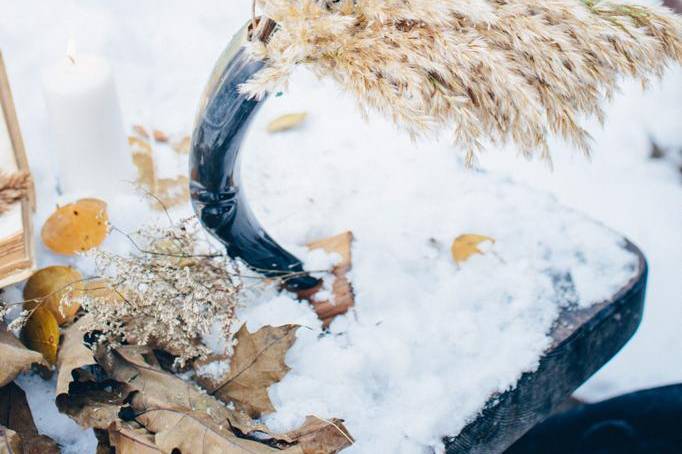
pixel 584 340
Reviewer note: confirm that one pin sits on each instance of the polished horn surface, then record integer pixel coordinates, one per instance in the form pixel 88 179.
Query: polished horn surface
pixel 215 186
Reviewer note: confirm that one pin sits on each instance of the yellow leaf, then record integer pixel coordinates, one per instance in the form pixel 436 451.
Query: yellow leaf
pixel 160 136
pixel 56 287
pixel 41 333
pixel 464 246
pixel 76 227
pixel 286 122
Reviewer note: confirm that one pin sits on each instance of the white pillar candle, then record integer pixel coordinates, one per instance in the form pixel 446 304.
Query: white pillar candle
pixel 87 127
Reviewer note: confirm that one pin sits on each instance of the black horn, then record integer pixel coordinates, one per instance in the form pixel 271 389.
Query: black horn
pixel 217 194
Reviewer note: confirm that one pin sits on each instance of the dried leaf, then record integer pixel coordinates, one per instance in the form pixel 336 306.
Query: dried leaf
pixel 167 192
pixel 171 192
pixel 126 438
pixel 182 146
pixel 286 122
pixel 341 288
pixel 143 160
pixel 182 418
pixel 41 333
pixel 102 290
pixel 140 131
pixel 15 414
pixel 320 436
pixel 90 400
pixel 464 246
pixel 155 388
pixel 14 357
pixel 56 287
pixel 73 355
pixel 10 441
pixel 76 227
pixel 257 363
pixel 195 432
pixel 160 136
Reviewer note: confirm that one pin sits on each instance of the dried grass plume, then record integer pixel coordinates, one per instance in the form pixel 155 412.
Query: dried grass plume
pixel 13 187
pixel 499 70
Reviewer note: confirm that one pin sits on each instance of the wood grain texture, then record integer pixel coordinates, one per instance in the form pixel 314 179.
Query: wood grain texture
pixel 584 340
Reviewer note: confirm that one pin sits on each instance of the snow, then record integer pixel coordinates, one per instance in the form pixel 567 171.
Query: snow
pixel 40 395
pixel 428 341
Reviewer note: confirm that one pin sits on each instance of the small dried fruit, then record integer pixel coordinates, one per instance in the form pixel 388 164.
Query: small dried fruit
pixel 57 288
pixel 41 333
pixel 76 227
pixel 464 246
pixel 286 122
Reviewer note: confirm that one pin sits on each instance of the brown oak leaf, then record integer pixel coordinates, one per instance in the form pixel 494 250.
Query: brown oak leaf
pixel 319 436
pixel 257 363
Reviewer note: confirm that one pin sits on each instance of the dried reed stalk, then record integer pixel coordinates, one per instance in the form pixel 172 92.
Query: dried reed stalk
pixel 499 70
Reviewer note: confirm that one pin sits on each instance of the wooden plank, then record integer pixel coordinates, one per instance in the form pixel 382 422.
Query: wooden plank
pixel 18 263
pixel 584 340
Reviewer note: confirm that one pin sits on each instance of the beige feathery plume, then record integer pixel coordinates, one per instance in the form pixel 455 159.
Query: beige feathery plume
pixel 13 187
pixel 500 70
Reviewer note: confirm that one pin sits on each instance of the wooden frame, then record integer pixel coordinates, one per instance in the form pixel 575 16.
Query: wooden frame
pixel 17 251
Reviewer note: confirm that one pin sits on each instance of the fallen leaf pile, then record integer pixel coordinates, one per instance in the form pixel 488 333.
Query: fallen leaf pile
pixel 137 406
pixel 135 403
pixel 167 192
pixel 41 333
pixel 145 408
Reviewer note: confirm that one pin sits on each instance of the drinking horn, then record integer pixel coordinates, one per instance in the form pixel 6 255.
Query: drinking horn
pixel 215 186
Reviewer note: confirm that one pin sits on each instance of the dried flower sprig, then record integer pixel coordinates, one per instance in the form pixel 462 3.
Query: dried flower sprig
pixel 168 294
pixel 500 70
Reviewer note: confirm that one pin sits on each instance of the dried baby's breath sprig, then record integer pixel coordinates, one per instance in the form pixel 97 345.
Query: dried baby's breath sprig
pixel 170 293
pixel 500 70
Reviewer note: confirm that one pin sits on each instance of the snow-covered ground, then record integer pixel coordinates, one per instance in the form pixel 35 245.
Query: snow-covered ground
pixel 307 184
